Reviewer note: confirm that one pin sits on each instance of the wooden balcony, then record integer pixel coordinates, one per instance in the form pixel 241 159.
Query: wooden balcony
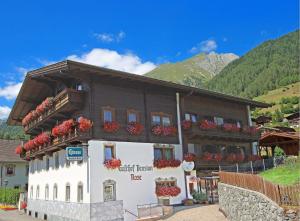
pixel 219 134
pixel 73 138
pixel 65 102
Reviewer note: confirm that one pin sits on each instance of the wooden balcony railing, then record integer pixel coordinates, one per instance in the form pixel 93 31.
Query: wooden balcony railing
pixel 66 101
pixel 219 133
pixel 58 143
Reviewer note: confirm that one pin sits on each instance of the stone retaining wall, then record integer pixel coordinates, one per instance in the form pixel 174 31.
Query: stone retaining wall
pixel 241 204
pixel 67 211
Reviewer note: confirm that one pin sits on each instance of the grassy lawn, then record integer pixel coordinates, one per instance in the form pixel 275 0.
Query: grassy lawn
pixel 287 174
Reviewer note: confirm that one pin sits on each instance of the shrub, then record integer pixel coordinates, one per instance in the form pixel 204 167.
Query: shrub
pixel 199 196
pixel 9 196
pixel 278 152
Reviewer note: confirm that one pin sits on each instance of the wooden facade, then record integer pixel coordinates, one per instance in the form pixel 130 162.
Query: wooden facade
pixel 84 90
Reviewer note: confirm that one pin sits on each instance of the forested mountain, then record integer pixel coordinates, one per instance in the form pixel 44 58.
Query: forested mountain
pixel 273 64
pixel 195 71
pixel 11 132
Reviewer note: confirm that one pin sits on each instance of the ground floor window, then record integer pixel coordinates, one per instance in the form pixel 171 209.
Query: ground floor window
pixel 10 170
pixel 37 195
pixel 47 192
pixel 80 193
pixel 109 190
pixel 68 192
pixel 55 192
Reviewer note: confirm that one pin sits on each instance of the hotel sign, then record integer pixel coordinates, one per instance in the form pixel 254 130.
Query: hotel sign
pixel 74 153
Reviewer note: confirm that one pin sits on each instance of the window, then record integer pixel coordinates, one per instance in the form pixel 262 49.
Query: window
pixel 47 192
pixel 55 192
pixel 109 190
pixel 163 153
pixel 161 119
pixel 108 114
pixel 80 193
pixel 218 121
pixel 191 117
pixel 109 152
pixel 56 160
pixel 31 192
pixel 37 194
pixel 10 170
pixel 68 192
pixel 132 116
pixel 47 163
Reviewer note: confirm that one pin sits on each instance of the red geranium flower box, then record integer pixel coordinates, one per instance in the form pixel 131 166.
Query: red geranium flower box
pixel 135 128
pixel 218 157
pixel 112 163
pixel 18 149
pixel 159 164
pixel 186 124
pixel 207 156
pixel 231 158
pixel 84 124
pixel 206 124
pixel 171 191
pixel 111 127
pixel 189 157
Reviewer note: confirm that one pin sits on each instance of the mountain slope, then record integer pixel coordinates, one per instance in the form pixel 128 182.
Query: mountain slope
pixel 272 64
pixel 194 71
pixel 11 132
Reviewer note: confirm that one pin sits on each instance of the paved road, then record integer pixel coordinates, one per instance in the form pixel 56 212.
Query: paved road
pixel 15 215
pixel 202 213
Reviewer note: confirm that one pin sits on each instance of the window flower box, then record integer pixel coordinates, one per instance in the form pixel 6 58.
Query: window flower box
pixel 254 157
pixel 207 125
pixel 84 124
pixel 189 157
pixel 112 163
pixel 170 191
pixel 18 149
pixel 159 130
pixel 64 128
pixel 134 128
pixel 159 164
pixel 207 156
pixel 231 158
pixel 218 157
pixel 186 124
pixel 111 127
pixel 231 127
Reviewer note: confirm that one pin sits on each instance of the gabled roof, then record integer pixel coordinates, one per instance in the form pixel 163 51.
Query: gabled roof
pixel 7 151
pixel 30 86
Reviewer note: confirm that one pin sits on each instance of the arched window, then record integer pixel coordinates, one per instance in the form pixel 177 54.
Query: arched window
pixel 109 190
pixel 31 192
pixel 55 192
pixel 37 194
pixel 80 192
pixel 46 192
pixel 68 192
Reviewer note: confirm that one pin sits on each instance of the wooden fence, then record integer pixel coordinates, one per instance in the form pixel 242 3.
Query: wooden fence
pixel 282 195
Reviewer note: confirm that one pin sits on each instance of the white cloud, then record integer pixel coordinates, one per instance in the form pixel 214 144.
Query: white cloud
pixel 109 37
pixel 4 112
pixel 112 59
pixel 205 46
pixel 10 91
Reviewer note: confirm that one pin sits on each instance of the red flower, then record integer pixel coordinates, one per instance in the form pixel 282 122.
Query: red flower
pixel 218 157
pixel 23 205
pixel 18 150
pixel 231 127
pixel 84 124
pixel 64 128
pixel 111 127
pixel 186 124
pixel 206 124
pixel 189 157
pixel 169 131
pixel 171 191
pixel 207 156
pixel 157 130
pixel 231 158
pixel 159 164
pixel 240 157
pixel 113 163
pixel 135 128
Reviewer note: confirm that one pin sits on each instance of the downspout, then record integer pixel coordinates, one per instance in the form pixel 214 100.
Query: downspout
pixel 178 118
pixel 180 136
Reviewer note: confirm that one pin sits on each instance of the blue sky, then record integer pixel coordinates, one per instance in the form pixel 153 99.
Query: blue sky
pixel 133 36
